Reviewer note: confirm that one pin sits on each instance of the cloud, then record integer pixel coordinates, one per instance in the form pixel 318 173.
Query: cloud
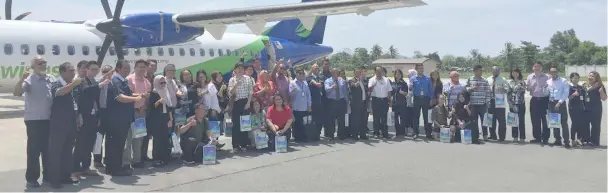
pixel 402 22
pixel 560 11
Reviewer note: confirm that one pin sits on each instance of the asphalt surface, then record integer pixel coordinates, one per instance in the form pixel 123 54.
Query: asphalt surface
pixel 375 165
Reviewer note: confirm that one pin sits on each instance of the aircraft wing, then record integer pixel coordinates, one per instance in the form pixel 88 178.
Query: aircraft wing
pixel 215 22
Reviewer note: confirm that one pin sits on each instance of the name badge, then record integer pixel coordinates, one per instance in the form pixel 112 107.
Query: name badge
pixel 75 106
pixel 421 93
pixel 302 94
pixel 581 97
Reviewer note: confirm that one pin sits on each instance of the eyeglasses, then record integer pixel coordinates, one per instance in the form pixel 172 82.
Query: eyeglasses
pixel 41 63
pixel 163 83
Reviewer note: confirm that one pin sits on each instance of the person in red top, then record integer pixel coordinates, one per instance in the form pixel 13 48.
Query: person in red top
pixel 279 119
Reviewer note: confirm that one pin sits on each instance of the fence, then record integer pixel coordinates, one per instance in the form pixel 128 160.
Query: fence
pixel 584 70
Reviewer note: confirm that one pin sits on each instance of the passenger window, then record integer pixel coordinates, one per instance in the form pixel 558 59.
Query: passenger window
pixel 40 49
pixel 8 49
pixel 201 51
pixel 149 51
pixel 85 50
pixel 182 52
pixel 138 52
pixel 211 52
pixel 228 52
pixel 171 52
pixel 220 52
pixel 25 49
pixel 161 51
pixel 192 52
pixel 56 50
pixel 97 50
pixel 71 50
pixel 112 51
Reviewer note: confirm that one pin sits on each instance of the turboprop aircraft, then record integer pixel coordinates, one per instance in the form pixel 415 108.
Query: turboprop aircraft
pixel 193 40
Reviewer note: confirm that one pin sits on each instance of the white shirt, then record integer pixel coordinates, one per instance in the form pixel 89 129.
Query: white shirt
pixel 558 89
pixel 210 99
pixel 383 86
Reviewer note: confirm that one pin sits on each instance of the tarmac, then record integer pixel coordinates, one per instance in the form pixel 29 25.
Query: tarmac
pixel 399 164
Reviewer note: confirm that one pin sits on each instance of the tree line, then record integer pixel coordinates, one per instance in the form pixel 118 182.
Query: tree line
pixel 565 48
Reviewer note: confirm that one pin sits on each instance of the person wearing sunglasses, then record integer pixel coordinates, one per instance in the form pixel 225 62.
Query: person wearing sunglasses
pixel 38 101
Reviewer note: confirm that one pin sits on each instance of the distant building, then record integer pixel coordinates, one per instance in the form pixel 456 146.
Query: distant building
pixel 406 64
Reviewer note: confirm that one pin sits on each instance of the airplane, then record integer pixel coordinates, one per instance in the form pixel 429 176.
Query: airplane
pixel 192 40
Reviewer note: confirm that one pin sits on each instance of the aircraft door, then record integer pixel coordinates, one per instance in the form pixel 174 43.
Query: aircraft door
pixel 271 54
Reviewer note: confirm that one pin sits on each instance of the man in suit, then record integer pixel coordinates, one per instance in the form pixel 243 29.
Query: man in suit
pixel 358 107
pixel 88 104
pixel 120 114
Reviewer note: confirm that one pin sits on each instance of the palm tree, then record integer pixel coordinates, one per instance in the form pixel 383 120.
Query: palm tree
pixel 376 52
pixel 393 52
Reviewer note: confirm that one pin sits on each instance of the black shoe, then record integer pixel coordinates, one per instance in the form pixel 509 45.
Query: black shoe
pixel 363 137
pixel 567 145
pixel 386 136
pixel 557 143
pixel 501 140
pixel 138 165
pixel 98 165
pixel 147 159
pixel 220 145
pixel 33 184
pixel 535 141
pixel 341 138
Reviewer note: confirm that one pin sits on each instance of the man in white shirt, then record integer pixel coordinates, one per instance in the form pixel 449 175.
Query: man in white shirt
pixel 380 88
pixel 558 94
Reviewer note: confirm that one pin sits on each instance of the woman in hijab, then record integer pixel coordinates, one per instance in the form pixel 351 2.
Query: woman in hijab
pixel 160 120
pixel 264 89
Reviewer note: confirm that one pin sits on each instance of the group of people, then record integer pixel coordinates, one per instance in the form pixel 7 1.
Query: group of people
pixel 68 115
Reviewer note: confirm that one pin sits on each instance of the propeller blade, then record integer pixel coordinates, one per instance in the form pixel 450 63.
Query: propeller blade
pixel 104 49
pixel 7 9
pixel 118 9
pixel 119 47
pixel 20 17
pixel 106 8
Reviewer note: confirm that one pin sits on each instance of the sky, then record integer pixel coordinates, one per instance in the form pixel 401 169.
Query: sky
pixel 446 26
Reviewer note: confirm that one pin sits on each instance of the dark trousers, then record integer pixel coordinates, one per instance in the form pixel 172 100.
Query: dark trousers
pixel 520 130
pixel 408 122
pixel 191 149
pixel 116 137
pixel 337 113
pixel 421 104
pixel 400 118
pixel 366 116
pixel 538 116
pixel 380 110
pixel 477 111
pixel 499 116
pixel 595 119
pixel 239 138
pixel 37 140
pixel 61 144
pixel 145 142
pixel 97 158
pixel 272 135
pixel 579 124
pixel 556 131
pixel 85 140
pixel 299 129
pixel 357 119
pixel 161 144
pixel 318 120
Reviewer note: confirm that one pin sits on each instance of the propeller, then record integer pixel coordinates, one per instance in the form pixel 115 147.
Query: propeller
pixel 8 4
pixel 113 30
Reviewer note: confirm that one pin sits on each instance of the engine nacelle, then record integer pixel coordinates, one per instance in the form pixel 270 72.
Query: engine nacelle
pixel 155 29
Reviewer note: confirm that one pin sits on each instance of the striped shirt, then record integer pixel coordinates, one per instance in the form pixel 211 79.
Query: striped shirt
pixel 244 90
pixel 480 90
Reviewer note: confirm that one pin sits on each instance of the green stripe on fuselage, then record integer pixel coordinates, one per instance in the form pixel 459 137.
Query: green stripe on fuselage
pixel 225 64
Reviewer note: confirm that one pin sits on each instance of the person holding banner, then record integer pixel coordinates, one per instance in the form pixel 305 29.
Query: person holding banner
pixel 517 105
pixel 498 104
pixel 558 94
pixel 160 120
